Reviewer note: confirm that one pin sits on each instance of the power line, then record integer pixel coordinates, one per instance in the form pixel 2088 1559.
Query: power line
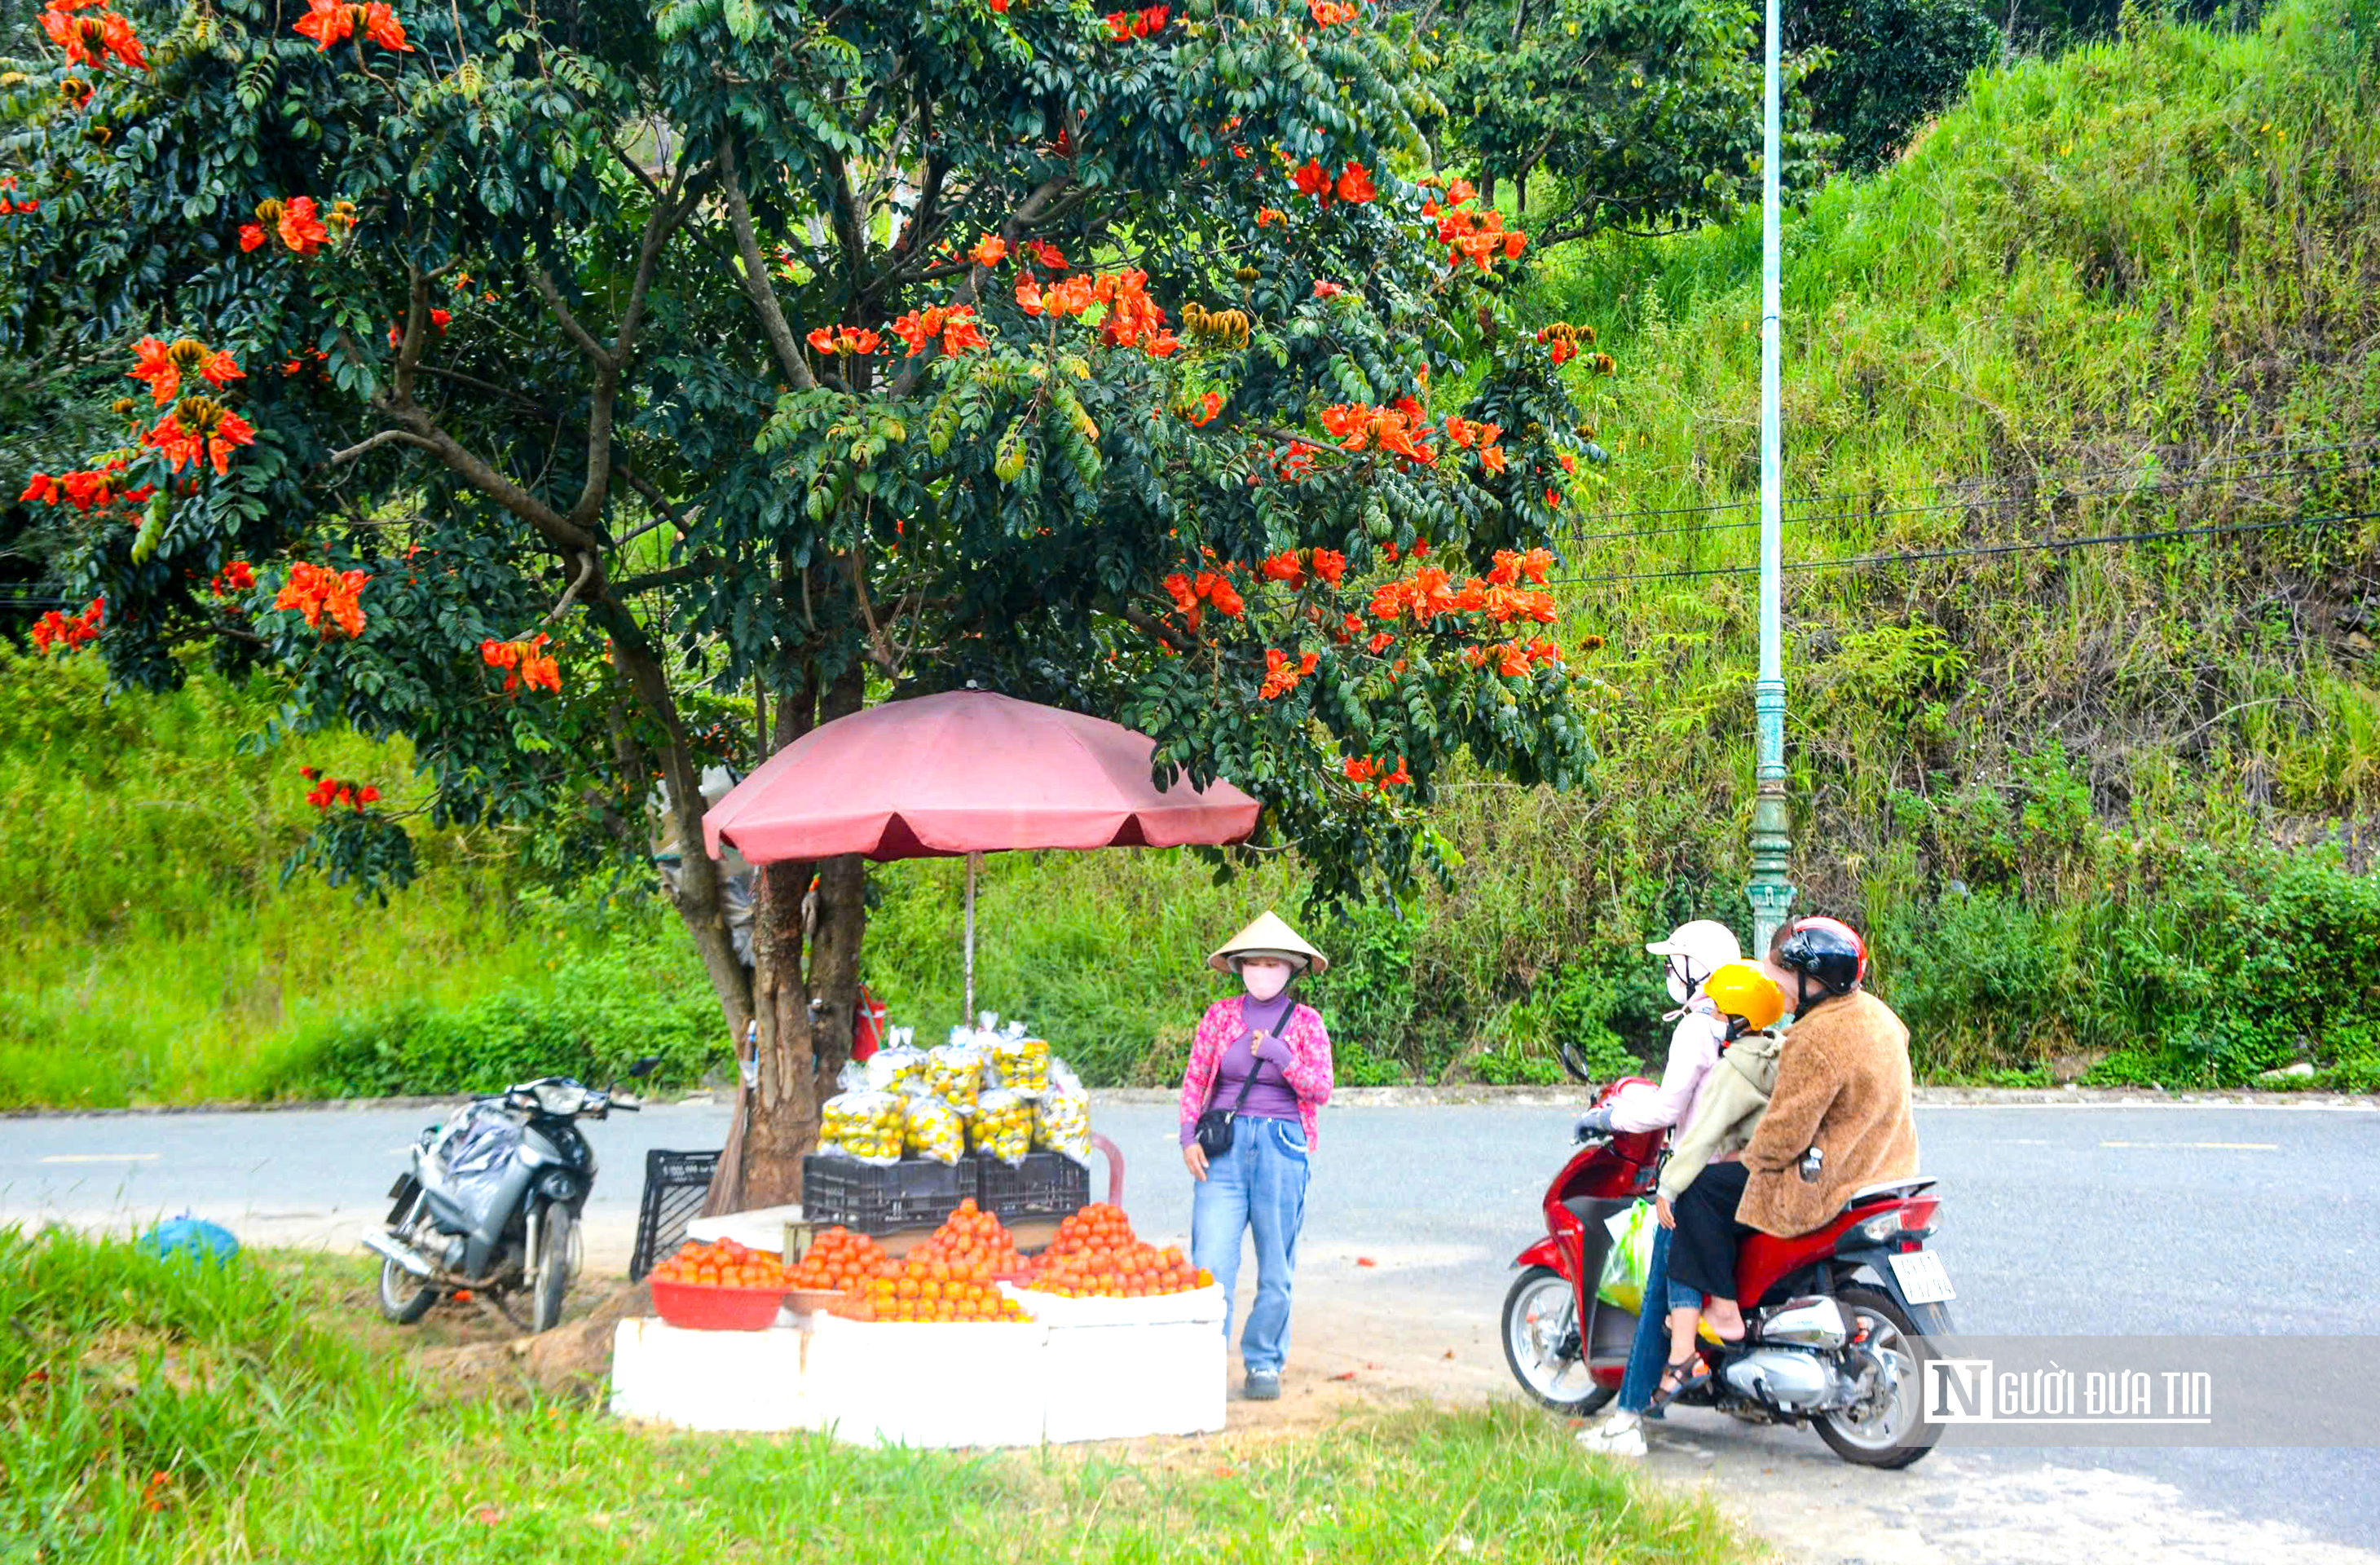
pixel 2038 480
pixel 2006 502
pixel 1917 556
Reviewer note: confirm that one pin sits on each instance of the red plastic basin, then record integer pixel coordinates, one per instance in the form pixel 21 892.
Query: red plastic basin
pixel 699 1308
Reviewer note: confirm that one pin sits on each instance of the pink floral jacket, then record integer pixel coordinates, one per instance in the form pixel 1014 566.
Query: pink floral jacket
pixel 1309 1077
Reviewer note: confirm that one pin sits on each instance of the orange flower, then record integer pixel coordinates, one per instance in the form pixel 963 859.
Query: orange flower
pixel 1312 180
pixel 1325 290
pixel 1046 253
pixel 1281 677
pixel 314 590
pixel 1354 184
pixel 1380 642
pixel 201 429
pixel 54 632
pixel 1328 13
pixel 1331 566
pixel 525 664
pixel 92 41
pixel 1285 567
pixel 990 250
pixel 329 21
pixel 1271 214
pixel 301 230
pixel 1209 406
pixel 252 235
pixel 954 324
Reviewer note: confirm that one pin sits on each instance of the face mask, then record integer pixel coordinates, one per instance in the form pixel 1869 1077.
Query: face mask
pixel 1265 980
pixel 1680 990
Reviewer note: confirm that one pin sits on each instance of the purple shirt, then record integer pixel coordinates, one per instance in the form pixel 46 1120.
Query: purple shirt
pixel 1269 1098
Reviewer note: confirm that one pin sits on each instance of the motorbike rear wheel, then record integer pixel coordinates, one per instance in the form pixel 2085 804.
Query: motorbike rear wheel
pixel 556 1259
pixel 1895 1434
pixel 1543 1344
pixel 405 1298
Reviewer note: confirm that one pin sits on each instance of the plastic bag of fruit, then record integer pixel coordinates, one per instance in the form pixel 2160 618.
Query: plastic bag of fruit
pixel 1061 1118
pixel 935 1131
pixel 868 1127
pixel 1003 1126
pixel 1021 1063
pixel 900 1067
pixel 955 1074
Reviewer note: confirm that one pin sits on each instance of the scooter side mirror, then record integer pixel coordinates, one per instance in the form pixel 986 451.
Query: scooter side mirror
pixel 644 1067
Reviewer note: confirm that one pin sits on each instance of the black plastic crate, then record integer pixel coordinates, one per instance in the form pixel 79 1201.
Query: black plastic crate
pixel 1046 1184
pixel 880 1199
pixel 675 1185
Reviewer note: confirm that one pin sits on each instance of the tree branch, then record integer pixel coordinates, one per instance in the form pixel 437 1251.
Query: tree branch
pixel 386 437
pixel 757 286
pixel 1149 625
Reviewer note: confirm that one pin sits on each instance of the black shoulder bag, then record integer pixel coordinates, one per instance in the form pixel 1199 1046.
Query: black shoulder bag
pixel 1214 1127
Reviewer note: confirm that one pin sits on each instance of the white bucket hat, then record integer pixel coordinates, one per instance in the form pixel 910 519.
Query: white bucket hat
pixel 1707 944
pixel 1269 936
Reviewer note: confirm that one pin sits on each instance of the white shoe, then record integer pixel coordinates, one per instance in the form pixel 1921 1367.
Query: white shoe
pixel 1620 1434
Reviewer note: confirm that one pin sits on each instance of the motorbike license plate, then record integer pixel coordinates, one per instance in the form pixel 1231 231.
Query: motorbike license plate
pixel 1921 1278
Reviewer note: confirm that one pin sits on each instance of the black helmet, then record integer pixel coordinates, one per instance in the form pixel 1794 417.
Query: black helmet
pixel 1824 952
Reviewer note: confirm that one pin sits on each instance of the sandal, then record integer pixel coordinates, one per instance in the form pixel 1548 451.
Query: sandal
pixel 1689 1374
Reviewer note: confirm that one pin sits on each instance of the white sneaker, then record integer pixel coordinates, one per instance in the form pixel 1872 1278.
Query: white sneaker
pixel 1627 1444
pixel 1620 1434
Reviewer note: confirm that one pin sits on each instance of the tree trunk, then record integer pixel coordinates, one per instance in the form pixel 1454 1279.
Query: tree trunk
pixel 806 1017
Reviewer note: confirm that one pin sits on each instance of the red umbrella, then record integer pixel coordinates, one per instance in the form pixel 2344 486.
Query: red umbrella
pixel 967 772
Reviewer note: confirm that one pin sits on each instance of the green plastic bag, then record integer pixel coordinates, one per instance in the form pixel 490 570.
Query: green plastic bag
pixel 1630 1262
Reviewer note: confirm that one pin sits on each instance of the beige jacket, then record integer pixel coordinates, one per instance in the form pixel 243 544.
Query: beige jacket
pixel 1731 1105
pixel 1842 1086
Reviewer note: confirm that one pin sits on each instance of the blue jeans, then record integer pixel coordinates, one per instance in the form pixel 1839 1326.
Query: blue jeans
pixel 1650 1351
pixel 1256 1187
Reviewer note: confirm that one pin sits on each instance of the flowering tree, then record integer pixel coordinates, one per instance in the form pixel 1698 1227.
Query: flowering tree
pixel 592 391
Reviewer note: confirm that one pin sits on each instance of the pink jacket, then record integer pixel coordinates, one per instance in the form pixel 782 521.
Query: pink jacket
pixel 1308 1075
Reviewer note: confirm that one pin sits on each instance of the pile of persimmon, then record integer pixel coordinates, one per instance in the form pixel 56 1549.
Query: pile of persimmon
pixel 921 1290
pixel 975 1246
pixel 1097 1255
pixel 723 1264
pixel 840 1259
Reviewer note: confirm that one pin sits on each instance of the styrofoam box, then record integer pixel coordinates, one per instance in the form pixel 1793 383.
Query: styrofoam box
pixel 763 1228
pixel 711 1379
pixel 1165 1309
pixel 961 1384
pixel 1113 1382
pixel 971 1384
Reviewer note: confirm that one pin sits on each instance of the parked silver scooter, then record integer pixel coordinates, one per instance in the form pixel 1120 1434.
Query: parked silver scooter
pixel 491 1201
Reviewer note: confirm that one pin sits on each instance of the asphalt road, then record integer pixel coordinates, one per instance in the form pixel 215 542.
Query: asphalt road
pixel 2085 1219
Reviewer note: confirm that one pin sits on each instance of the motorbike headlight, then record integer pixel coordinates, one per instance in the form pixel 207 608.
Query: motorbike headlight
pixel 560 1098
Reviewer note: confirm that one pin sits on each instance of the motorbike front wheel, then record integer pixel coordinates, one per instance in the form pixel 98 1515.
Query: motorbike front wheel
pixel 1544 1346
pixel 556 1259
pixel 1889 1430
pixel 405 1298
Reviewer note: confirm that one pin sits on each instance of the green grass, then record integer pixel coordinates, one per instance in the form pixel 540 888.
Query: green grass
pixel 163 1411
pixel 155 956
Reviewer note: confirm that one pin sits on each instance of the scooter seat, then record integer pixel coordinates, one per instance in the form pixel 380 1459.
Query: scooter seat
pixel 1887 1189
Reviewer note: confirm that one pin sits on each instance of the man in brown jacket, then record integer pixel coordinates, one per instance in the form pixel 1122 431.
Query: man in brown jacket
pixel 1839 1119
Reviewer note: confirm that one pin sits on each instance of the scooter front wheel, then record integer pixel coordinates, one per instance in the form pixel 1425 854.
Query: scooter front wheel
pixel 405 1298
pixel 1544 1346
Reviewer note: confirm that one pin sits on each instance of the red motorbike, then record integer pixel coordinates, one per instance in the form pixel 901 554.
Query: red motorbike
pixel 1837 1323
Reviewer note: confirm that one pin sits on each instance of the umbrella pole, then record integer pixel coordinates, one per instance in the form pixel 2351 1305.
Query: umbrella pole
pixel 972 859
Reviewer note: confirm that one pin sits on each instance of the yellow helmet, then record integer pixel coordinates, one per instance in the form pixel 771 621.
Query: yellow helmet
pixel 1738 988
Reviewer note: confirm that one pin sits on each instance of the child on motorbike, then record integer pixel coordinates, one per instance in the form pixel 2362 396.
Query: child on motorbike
pixel 1690 955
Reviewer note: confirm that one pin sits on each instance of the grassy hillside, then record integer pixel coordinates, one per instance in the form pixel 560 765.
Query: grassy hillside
pixel 2110 811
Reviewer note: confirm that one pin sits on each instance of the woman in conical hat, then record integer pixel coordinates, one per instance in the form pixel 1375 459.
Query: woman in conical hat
pixel 1259 1072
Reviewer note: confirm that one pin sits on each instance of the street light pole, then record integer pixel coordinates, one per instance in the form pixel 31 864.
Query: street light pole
pixel 1772 843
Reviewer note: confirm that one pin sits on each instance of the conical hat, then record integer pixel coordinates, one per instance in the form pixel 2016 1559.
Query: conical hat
pixel 1269 934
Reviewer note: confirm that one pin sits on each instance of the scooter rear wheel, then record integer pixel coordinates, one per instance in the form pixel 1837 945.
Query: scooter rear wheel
pixel 1543 1344
pixel 1895 1434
